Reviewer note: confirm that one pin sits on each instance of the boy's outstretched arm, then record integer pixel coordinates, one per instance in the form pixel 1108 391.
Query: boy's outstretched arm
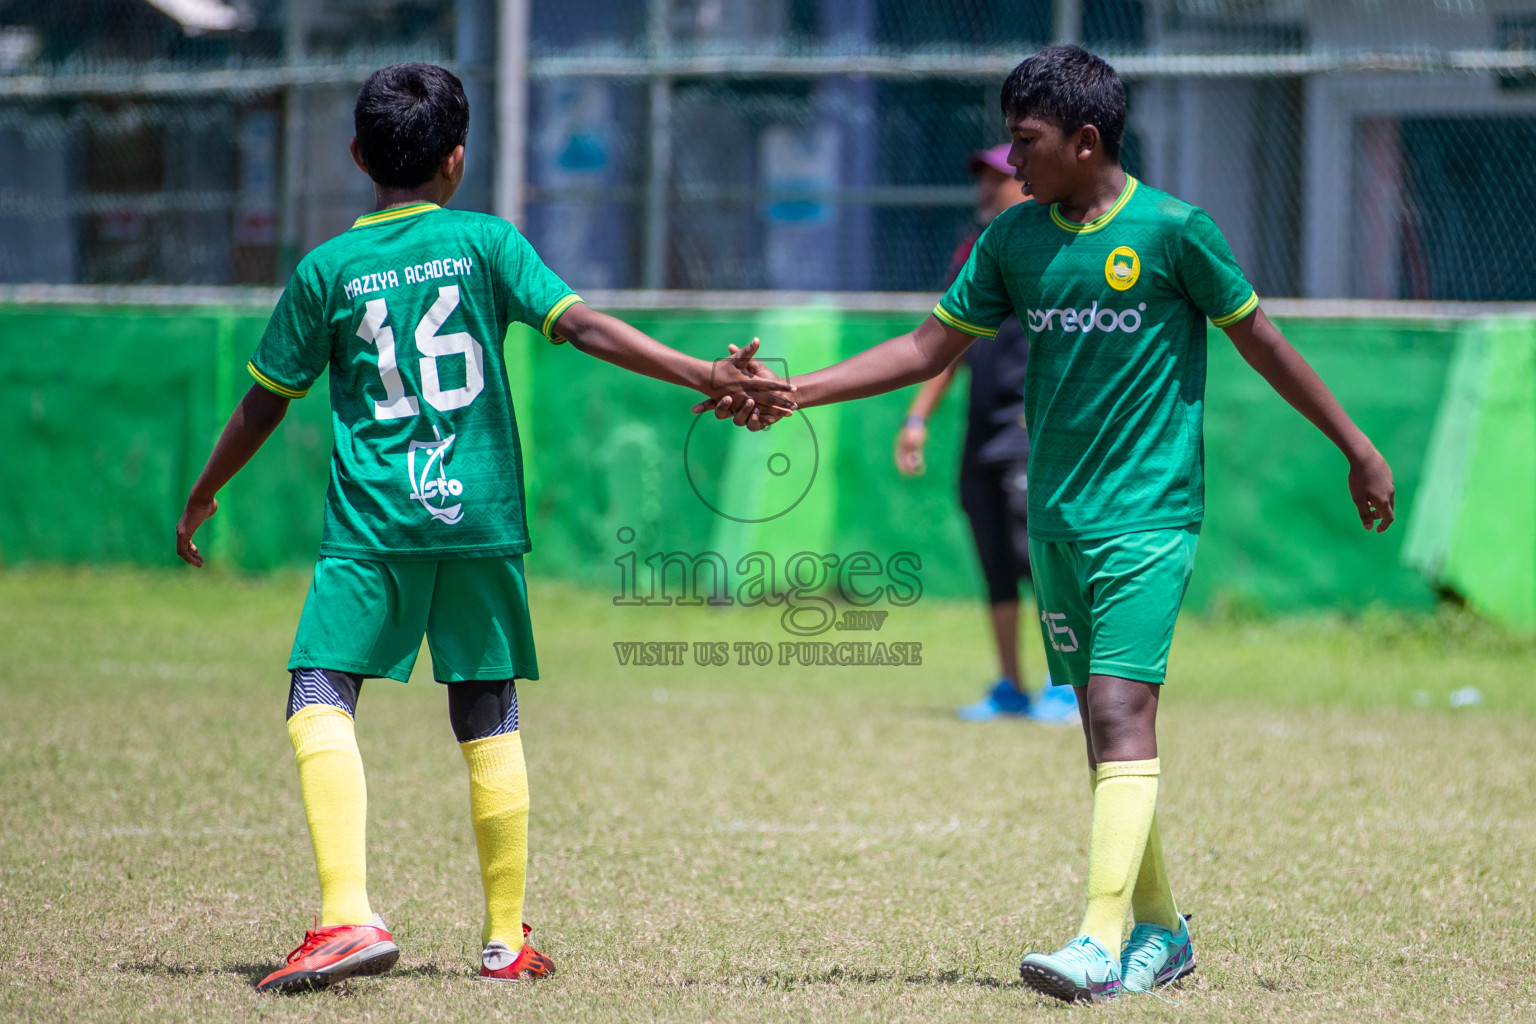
pixel 612 340
pixel 908 358
pixel 249 426
pixel 1267 351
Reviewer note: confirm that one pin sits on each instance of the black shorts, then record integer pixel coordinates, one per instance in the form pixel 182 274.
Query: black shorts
pixel 995 499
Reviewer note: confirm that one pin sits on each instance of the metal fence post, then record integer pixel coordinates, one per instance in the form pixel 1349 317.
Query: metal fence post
pixel 1067 21
pixel 659 176
pixel 512 25
pixel 295 52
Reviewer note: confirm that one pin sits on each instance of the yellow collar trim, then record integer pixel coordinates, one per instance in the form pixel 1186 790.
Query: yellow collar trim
pixel 395 213
pixel 1102 219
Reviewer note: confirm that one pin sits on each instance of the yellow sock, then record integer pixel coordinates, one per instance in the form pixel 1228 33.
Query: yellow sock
pixel 1124 801
pixel 498 806
pixel 1152 899
pixel 336 804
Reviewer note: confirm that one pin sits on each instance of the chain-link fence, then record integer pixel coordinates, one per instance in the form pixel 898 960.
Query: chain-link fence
pixel 1365 148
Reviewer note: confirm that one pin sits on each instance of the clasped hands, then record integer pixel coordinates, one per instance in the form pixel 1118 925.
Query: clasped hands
pixel 746 392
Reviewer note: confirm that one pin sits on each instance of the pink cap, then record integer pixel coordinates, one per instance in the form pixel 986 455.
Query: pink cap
pixel 995 158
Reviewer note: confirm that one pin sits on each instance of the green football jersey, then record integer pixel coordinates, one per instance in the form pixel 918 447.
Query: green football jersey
pixel 1115 391
pixel 409 309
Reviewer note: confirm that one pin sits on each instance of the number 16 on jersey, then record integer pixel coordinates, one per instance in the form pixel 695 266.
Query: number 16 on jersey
pixel 432 347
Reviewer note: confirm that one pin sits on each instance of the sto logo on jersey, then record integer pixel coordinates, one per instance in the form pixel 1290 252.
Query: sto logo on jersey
pixel 1122 268
pixel 430 484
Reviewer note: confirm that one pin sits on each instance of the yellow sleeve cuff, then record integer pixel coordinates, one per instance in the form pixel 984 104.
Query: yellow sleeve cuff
pixel 554 314
pixel 1248 306
pixel 272 385
pixel 961 325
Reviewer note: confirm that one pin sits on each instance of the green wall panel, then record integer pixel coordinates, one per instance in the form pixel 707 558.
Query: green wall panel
pixel 108 413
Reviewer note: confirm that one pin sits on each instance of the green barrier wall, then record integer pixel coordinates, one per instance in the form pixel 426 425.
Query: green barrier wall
pixel 1474 520
pixel 108 413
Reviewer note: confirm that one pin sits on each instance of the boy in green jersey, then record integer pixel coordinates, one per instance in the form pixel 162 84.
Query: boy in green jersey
pixel 1114 282
pixel 425 526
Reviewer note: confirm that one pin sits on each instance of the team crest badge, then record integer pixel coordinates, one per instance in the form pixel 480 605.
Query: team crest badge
pixel 1122 268
pixel 430 483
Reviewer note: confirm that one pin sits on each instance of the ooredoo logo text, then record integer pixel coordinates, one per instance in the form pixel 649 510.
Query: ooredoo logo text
pixel 1092 318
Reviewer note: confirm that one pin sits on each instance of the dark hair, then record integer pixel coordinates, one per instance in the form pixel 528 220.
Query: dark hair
pixel 1071 86
pixel 408 119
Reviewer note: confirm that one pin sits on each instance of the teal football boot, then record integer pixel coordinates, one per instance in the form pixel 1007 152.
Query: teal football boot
pixel 1082 969
pixel 1154 956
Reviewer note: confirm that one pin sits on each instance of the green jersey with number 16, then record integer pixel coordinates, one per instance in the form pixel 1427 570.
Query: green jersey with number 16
pixel 409 309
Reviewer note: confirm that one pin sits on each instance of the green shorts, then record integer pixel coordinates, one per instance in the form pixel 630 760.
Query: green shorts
pixel 368 618
pixel 1108 605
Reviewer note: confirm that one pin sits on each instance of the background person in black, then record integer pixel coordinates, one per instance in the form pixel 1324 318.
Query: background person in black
pixel 993 464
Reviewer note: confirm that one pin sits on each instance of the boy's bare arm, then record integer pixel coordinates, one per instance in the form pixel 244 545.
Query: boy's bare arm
pixel 249 426
pixel 614 341
pixel 1267 351
pixel 932 392
pixel 905 359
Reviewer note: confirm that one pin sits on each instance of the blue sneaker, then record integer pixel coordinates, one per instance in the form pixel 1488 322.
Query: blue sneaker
pixel 1082 969
pixel 1055 705
pixel 1154 956
pixel 1003 700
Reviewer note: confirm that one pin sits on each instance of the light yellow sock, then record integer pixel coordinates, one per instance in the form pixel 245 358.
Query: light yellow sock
pixel 336 804
pixel 1152 899
pixel 498 806
pixel 1124 802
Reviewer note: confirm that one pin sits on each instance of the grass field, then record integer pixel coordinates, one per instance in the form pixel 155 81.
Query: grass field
pixel 758 843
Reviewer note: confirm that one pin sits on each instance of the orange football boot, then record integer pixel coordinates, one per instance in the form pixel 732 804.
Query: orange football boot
pixel 328 955
pixel 498 964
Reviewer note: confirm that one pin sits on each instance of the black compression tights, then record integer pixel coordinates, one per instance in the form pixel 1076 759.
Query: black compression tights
pixel 476 709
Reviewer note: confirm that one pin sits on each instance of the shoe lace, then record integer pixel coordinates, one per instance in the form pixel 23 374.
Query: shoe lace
pixel 1082 950
pixel 1141 956
pixel 313 938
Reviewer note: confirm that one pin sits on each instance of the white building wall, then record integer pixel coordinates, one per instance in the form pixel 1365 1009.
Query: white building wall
pixel 35 164
pixel 1204 139
pixel 332 192
pixel 1200 138
pixel 1337 246
pixel 1406 24
pixel 1348 248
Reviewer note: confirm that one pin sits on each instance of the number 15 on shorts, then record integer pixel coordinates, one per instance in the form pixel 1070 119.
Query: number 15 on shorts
pixel 1057 632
